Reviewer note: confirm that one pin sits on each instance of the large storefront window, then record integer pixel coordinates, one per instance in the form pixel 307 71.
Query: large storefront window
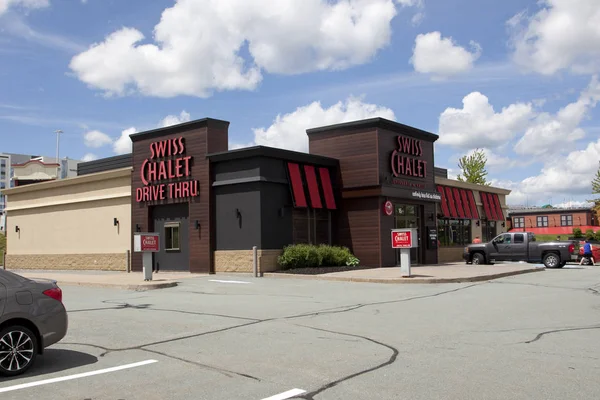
pixel 454 232
pixel 311 226
pixel 488 230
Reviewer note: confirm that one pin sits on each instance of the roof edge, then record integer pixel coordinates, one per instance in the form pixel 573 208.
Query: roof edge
pixel 271 152
pixel 198 123
pixel 376 122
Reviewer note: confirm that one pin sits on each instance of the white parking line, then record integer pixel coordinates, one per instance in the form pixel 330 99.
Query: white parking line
pixel 286 395
pixel 220 281
pixel 76 376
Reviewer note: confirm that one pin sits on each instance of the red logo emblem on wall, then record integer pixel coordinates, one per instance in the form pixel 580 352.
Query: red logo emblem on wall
pixel 388 208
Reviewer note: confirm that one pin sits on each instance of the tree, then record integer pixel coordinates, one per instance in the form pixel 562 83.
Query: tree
pixel 473 168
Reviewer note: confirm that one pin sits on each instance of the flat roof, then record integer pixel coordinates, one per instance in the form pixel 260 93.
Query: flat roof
pixel 377 122
pixel 272 152
pixel 185 126
pixel 527 211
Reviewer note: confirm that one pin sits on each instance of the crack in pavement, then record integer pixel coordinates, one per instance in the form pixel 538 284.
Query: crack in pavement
pixel 389 361
pixel 335 310
pixel 542 334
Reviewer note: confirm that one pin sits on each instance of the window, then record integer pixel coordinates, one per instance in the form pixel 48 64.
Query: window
pixel 504 239
pixel 311 226
pixel 454 232
pixel 566 220
pixel 172 236
pixel 519 222
pixel 519 238
pixel 542 222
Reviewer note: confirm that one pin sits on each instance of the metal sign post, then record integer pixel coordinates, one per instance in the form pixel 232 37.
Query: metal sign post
pixel 146 243
pixel 405 239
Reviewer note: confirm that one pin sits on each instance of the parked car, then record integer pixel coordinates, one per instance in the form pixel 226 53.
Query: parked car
pixel 521 246
pixel 32 317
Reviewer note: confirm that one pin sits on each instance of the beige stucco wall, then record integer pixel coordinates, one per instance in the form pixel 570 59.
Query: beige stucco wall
pixel 71 220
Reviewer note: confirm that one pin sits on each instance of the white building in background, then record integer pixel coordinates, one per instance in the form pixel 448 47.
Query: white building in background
pixel 30 168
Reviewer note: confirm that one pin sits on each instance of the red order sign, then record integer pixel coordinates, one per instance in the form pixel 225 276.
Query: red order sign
pixel 149 243
pixel 401 240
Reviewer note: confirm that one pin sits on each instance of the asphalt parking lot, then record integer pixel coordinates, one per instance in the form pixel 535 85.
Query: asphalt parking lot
pixel 534 336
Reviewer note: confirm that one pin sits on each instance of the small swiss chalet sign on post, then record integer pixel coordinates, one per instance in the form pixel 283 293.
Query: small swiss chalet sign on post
pixel 146 243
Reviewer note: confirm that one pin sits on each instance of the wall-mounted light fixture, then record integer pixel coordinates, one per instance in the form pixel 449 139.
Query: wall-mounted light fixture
pixel 431 218
pixel 504 224
pixel 197 225
pixel 138 228
pixel 238 214
pixel 477 223
pixel 281 212
pixel 115 221
pixel 17 229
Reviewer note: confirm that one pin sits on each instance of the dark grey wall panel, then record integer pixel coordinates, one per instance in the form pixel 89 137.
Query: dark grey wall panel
pixel 104 164
pixel 233 233
pixel 276 212
pixel 237 169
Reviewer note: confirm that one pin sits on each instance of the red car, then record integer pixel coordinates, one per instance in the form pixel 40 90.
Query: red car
pixel 595 251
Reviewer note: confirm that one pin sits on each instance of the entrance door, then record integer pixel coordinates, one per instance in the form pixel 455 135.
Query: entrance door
pixel 172 223
pixel 409 216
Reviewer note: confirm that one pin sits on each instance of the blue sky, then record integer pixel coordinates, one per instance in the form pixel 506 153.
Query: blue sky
pixel 521 55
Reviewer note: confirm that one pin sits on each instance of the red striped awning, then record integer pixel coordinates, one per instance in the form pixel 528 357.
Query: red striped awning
pixel 451 204
pixel 473 205
pixel 298 195
pixel 327 188
pixel 492 206
pixel 486 206
pixel 458 203
pixel 465 203
pixel 313 186
pixel 443 203
pixel 499 212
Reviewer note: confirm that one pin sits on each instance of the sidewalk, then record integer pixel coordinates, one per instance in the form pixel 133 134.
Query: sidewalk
pixel 105 279
pixel 447 273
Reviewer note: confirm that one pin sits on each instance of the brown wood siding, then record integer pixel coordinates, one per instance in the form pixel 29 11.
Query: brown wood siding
pixel 359 229
pixel 198 143
pixel 357 152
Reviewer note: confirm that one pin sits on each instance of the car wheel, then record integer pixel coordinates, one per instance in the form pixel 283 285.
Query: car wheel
pixel 551 260
pixel 478 259
pixel 18 350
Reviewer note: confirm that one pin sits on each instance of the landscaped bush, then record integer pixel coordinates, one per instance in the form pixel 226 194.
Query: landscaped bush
pixel 311 256
pixel 577 233
pixel 2 244
pixel 589 234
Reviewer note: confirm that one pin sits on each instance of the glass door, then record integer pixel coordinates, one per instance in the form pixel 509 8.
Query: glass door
pixel 409 216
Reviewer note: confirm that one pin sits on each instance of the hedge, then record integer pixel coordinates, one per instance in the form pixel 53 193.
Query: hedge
pixel 2 243
pixel 311 256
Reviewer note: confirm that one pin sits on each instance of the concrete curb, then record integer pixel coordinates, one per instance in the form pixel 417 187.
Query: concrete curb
pixel 137 288
pixel 477 278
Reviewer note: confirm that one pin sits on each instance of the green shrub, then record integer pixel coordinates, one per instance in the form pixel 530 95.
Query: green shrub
pixel 577 233
pixel 311 256
pixel 598 235
pixel 589 234
pixel 2 244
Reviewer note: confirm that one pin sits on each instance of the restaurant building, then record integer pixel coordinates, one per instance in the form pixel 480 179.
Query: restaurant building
pixel 211 205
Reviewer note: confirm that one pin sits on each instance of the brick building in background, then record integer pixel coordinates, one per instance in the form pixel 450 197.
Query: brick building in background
pixel 552 221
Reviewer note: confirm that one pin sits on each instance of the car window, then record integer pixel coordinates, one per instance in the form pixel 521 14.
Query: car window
pixel 519 238
pixel 504 239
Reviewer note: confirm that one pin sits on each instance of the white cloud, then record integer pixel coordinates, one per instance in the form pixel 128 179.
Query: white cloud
pixel 198 45
pixel 123 144
pixel 442 57
pixel 170 120
pixel 575 203
pixel 27 4
pixel 562 35
pixel 289 131
pixel 551 134
pixel 478 125
pixel 95 139
pixel 89 157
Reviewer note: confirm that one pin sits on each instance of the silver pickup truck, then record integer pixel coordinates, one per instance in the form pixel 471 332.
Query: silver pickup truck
pixel 521 246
